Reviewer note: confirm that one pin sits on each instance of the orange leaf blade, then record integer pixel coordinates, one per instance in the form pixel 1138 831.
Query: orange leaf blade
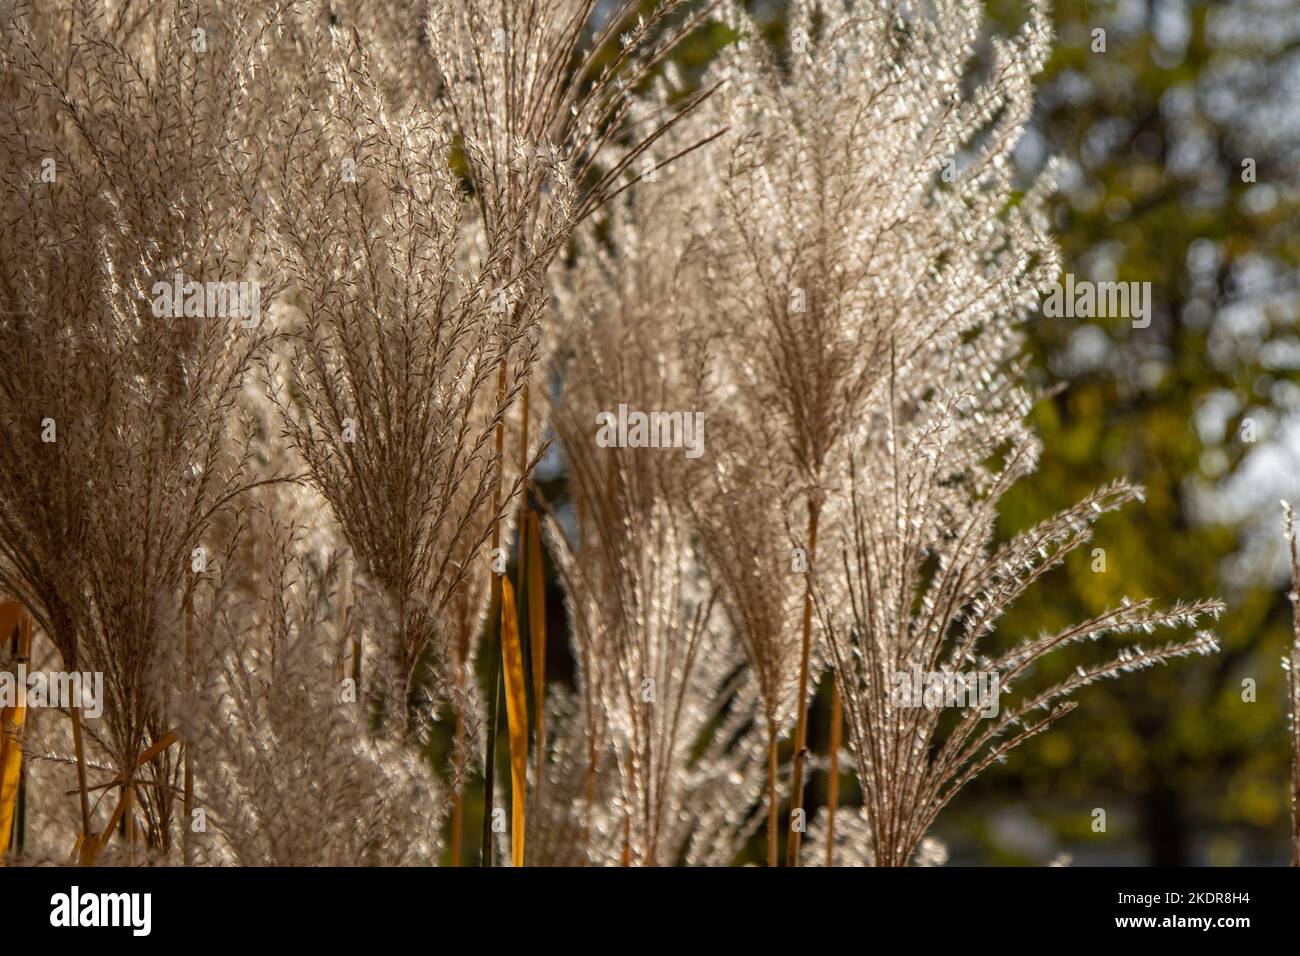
pixel 516 716
pixel 12 619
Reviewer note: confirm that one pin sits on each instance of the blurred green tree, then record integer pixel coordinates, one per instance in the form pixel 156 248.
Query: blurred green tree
pixel 1157 117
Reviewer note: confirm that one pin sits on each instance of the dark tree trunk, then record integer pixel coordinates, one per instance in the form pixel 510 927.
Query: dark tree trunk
pixel 1164 825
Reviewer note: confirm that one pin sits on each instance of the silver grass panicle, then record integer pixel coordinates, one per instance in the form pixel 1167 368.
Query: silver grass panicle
pixel 543 94
pixel 543 91
pixel 289 773
pixel 726 783
pixel 628 320
pixel 852 844
pixel 394 37
pixel 393 356
pixel 927 587
pixel 124 163
pixel 654 667
pixel 580 820
pixel 656 662
pixel 837 237
pixel 539 84
pixel 559 832
pixel 719 806
pixel 737 516
pixel 1291 664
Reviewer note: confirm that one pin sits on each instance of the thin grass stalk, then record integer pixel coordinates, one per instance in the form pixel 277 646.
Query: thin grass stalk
pixel 521 554
pixel 591 801
pixel 187 810
pixel 494 695
pixel 1293 686
pixel 458 803
pixel 773 824
pixel 83 791
pixel 128 802
pixel 1293 683
pixel 801 727
pixel 187 799
pixel 493 642
pixel 833 796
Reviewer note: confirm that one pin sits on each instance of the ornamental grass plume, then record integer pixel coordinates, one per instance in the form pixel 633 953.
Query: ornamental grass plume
pixel 927 586
pixel 397 334
pixel 115 395
pixel 861 209
pixel 857 219
pixel 633 334
pixel 542 93
pixel 738 517
pixel 289 771
pixel 538 86
pixel 658 666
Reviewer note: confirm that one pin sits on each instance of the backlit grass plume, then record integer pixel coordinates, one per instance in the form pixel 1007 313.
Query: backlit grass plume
pixel 657 662
pixel 803 264
pixel 859 207
pixel 926 587
pixel 130 308
pixel 396 336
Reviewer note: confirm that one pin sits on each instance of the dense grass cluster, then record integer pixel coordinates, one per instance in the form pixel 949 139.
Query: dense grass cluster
pixel 475 231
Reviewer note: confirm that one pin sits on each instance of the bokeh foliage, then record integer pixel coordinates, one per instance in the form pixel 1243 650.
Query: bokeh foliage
pixel 1190 772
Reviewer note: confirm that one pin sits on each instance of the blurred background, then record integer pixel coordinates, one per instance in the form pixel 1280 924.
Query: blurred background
pixel 1178 129
pixel 1181 166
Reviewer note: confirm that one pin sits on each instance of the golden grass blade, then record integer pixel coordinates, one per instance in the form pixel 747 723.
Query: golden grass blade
pixel 537 640
pixel 11 612
pixel 11 762
pixel 516 716
pixel 187 769
pixel 157 747
pixel 15 626
pixel 88 848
